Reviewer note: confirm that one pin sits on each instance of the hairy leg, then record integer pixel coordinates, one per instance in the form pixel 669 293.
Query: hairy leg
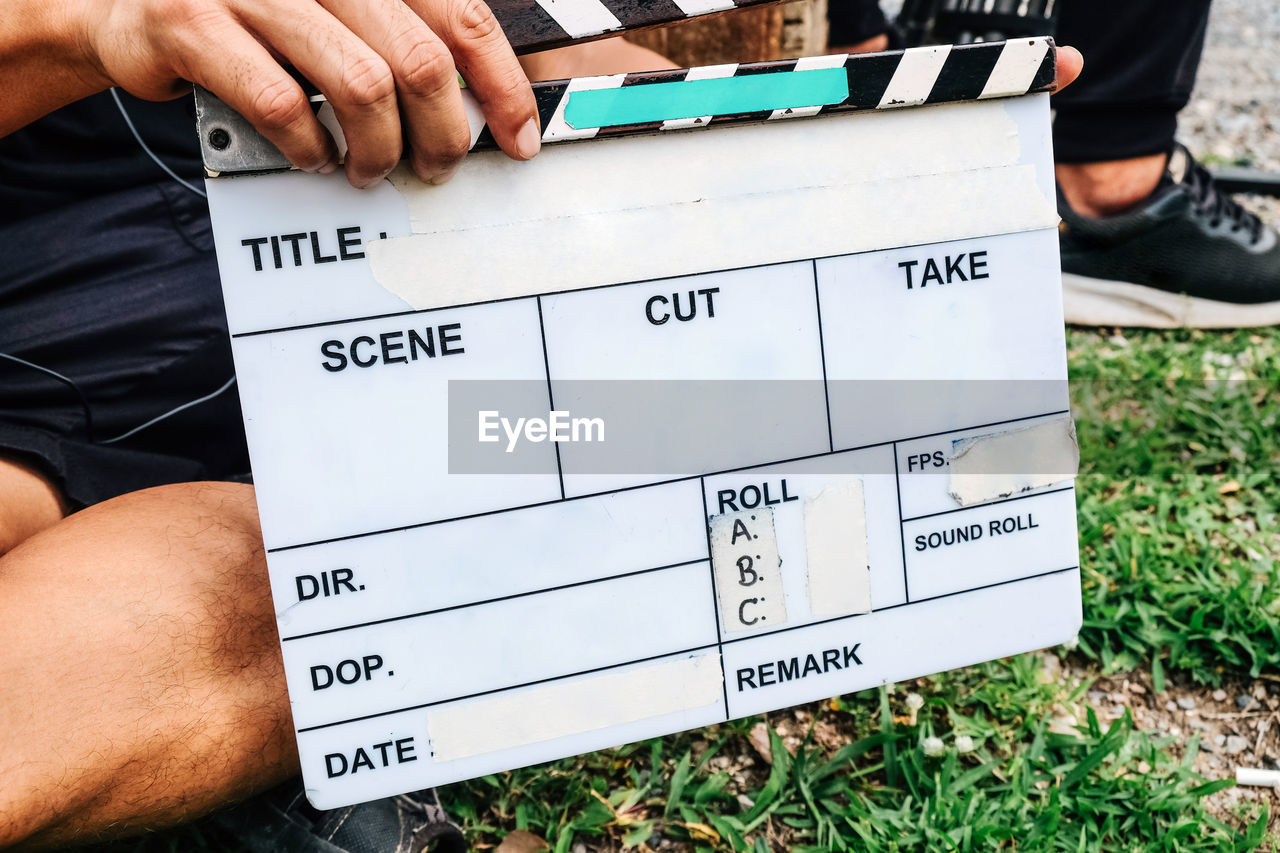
pixel 142 680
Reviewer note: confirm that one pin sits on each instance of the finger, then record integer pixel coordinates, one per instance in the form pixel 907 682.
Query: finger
pixel 1070 64
pixel 245 75
pixel 490 67
pixel 426 81
pixel 356 80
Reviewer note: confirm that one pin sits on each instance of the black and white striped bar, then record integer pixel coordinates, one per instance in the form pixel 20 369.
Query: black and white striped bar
pixel 875 81
pixel 532 25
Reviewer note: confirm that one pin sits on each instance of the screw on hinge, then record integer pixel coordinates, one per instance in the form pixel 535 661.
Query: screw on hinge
pixel 219 139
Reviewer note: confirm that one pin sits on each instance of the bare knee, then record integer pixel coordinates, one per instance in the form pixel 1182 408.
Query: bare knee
pixel 188 557
pixel 156 646
pixel 207 564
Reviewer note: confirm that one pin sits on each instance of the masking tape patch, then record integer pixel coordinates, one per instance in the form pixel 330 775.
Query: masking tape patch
pixel 744 556
pixel 702 235
pixel 1006 463
pixel 559 230
pixel 566 708
pixel 835 535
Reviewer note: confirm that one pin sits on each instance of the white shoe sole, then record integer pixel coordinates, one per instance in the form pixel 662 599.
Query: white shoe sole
pixel 1099 302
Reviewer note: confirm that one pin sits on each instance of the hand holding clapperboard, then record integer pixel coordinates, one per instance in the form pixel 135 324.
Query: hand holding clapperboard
pixel 753 395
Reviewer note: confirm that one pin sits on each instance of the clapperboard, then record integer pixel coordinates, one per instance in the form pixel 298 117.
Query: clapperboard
pixel 750 393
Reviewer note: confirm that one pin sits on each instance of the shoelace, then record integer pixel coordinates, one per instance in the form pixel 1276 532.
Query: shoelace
pixel 1217 205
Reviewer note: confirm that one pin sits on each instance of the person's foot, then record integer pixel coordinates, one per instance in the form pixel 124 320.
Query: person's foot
pixel 282 821
pixel 1187 255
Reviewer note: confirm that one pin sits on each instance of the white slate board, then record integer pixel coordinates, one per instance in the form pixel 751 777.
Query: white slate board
pixel 791 327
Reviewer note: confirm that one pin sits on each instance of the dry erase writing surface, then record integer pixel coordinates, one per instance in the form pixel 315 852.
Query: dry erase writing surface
pixel 652 432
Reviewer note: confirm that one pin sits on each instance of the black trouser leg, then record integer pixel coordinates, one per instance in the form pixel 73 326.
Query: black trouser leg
pixel 852 21
pixel 1140 60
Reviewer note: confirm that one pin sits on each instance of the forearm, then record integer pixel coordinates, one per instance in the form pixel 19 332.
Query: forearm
pixel 43 61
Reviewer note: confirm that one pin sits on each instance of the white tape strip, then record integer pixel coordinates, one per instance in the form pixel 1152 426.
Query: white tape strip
pixel 569 180
pixel 835 535
pixel 705 236
pixel 555 209
pixel 703 72
pixel 475 115
pixel 329 121
pixel 913 80
pixel 581 18
pixel 1015 68
pixel 703 7
pixel 565 708
pixel 557 128
pixel 810 63
pixel 744 556
pixel 1017 460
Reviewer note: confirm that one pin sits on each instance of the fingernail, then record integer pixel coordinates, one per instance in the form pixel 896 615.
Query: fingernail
pixel 328 168
pixel 445 176
pixel 528 140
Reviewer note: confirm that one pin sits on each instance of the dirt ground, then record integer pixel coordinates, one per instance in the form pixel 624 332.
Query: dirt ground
pixel 1238 725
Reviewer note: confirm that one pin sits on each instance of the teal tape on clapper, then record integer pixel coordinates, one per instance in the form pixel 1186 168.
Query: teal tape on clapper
pixel 692 98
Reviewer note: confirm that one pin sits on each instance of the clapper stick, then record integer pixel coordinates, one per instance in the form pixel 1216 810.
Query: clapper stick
pixel 753 394
pixel 231 145
pixel 719 94
pixel 534 25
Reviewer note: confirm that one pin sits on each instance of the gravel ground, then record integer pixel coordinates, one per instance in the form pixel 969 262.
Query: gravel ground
pixel 1233 119
pixel 1232 726
pixel 1234 114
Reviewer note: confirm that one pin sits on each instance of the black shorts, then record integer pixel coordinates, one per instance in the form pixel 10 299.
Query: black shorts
pixel 119 296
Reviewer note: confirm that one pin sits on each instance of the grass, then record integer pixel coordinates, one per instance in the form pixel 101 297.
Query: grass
pixel 1178 501
pixel 1179 542
pixel 1180 553
pixel 1024 787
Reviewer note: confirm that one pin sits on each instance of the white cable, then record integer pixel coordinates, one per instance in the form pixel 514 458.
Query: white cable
pixel 115 96
pixel 170 413
pixel 138 136
pixel 65 380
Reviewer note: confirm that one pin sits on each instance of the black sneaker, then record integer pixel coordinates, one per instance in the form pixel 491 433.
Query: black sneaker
pixel 282 821
pixel 1187 256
